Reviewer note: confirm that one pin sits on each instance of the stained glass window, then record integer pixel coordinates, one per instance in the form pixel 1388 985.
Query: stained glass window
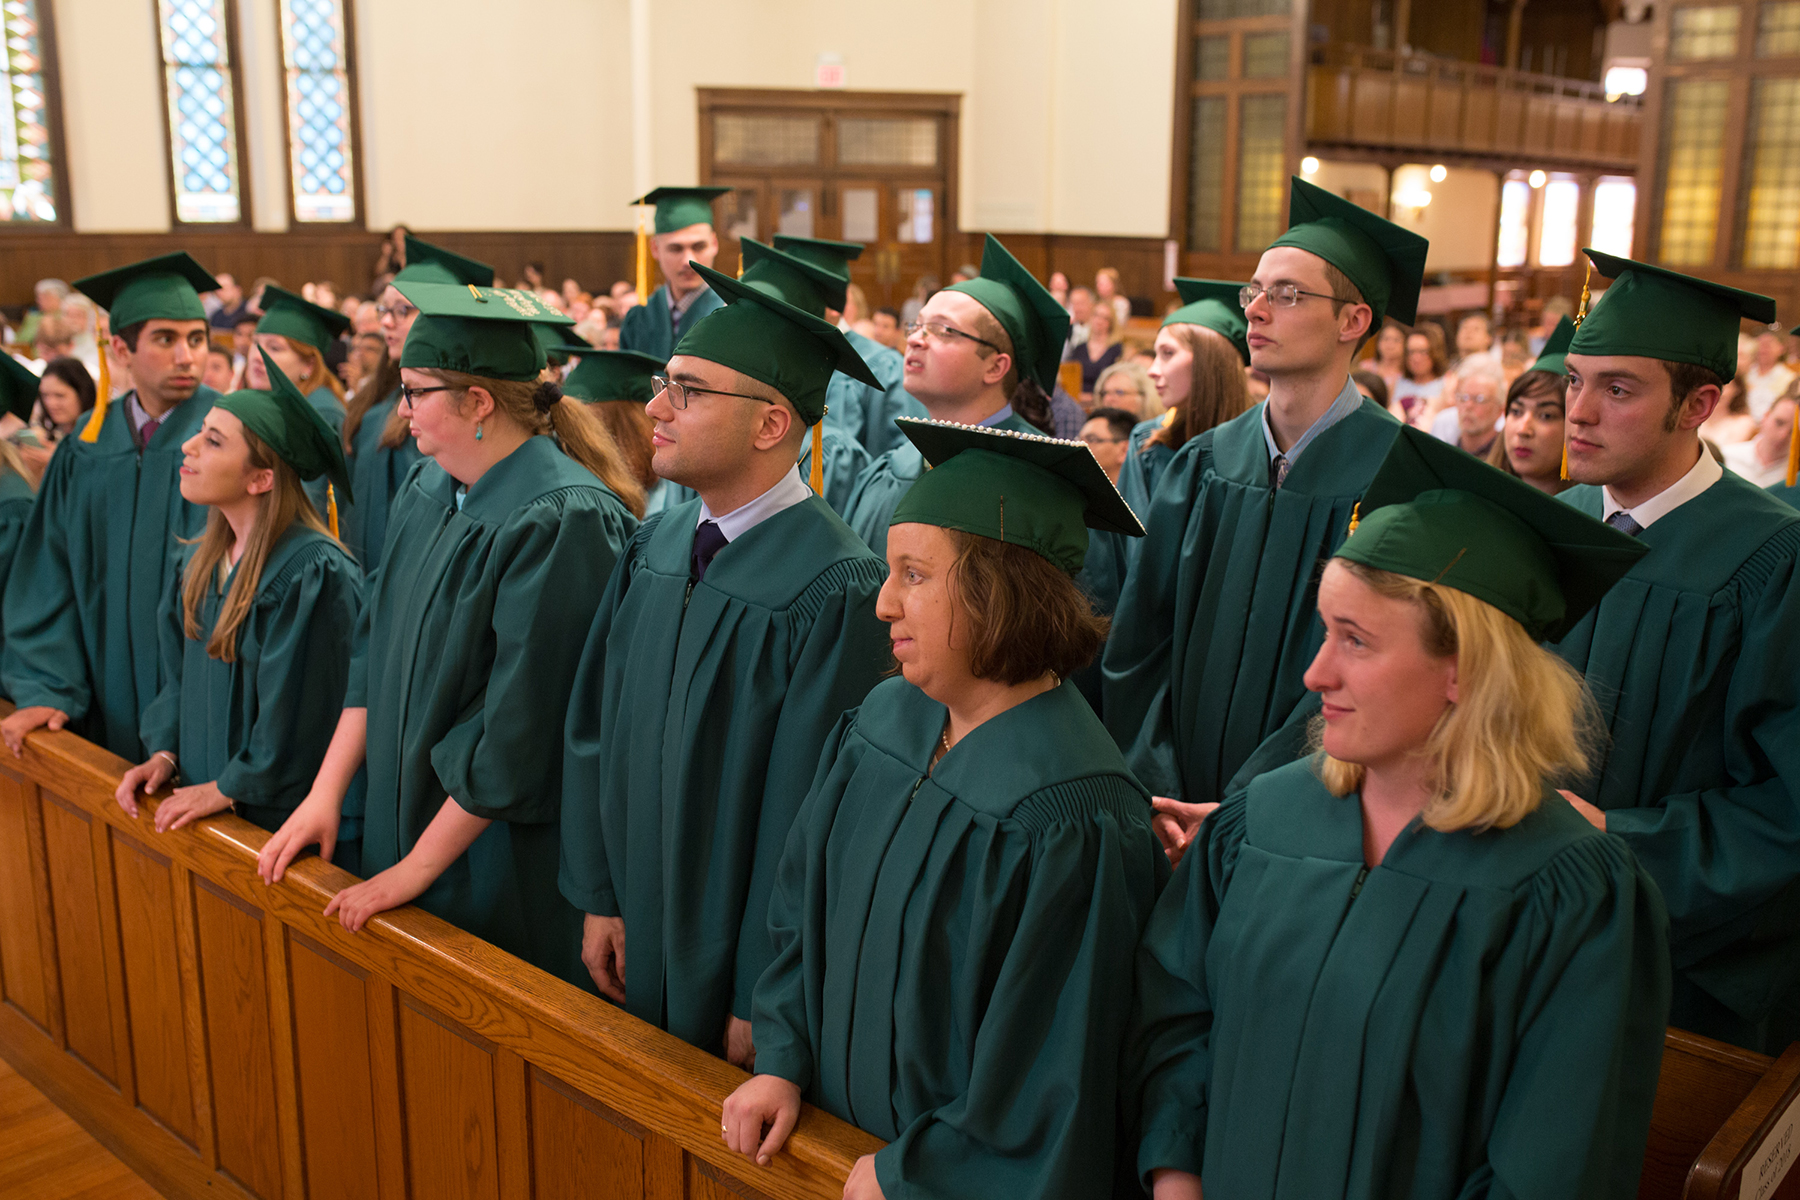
pixel 1709 32
pixel 202 110
pixel 321 160
pixel 1771 204
pixel 28 192
pixel 1693 169
pixel 1206 175
pixel 1262 179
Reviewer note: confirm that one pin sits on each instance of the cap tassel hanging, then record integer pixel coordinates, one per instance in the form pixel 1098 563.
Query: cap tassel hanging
pixel 1565 457
pixel 643 260
pixel 331 516
pixel 1581 312
pixel 818 457
pixel 90 433
pixel 1793 454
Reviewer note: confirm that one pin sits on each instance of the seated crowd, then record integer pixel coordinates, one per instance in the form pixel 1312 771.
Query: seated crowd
pixel 1252 751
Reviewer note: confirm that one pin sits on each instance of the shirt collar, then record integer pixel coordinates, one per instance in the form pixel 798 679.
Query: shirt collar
pixel 1347 402
pixel 686 302
pixel 735 524
pixel 1700 476
pixel 1005 414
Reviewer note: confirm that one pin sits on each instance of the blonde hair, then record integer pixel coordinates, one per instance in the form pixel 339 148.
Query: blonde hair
pixel 278 508
pixel 1522 716
pixel 541 408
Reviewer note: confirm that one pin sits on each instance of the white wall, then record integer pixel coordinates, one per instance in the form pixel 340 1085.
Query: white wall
pixel 518 116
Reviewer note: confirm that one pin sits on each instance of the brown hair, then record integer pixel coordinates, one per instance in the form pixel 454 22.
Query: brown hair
pixel 540 407
pixel 630 428
pixel 1433 334
pixel 381 381
pixel 1216 391
pixel 316 369
pixel 1026 615
pixel 278 508
pixel 1344 292
pixel 1020 390
pixel 1530 385
pixel 1684 380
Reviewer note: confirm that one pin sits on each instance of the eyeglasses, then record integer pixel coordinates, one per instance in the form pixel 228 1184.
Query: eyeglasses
pixel 1094 439
pixel 1282 295
pixel 678 393
pixel 1476 398
pixel 943 333
pixel 411 394
pixel 399 311
pixel 1117 393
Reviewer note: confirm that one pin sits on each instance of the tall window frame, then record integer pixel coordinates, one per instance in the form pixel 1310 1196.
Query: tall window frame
pixel 296 64
pixel 16 73
pixel 170 61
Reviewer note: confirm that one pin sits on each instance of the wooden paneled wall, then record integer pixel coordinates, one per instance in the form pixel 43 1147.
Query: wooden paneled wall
pixel 224 1039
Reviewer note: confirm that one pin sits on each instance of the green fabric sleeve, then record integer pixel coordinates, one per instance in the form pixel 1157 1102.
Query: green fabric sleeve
pixel 871 503
pixel 504 760
pixel 160 724
pixel 44 663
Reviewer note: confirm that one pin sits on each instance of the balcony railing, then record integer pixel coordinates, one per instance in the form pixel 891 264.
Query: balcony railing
pixel 1380 99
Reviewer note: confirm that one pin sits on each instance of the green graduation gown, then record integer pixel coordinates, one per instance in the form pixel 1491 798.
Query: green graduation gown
pixel 954 947
pixel 879 488
pixel 1110 555
pixel 84 600
pixel 867 413
pixel 647 327
pixel 699 715
pixel 1216 624
pixel 465 661
pixel 376 473
pixel 1480 1015
pixel 259 726
pixel 328 406
pixel 16 498
pixel 1694 659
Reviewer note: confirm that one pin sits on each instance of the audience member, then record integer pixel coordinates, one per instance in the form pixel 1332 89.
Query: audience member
pixel 234 306
pixel 1763 459
pixel 49 295
pixel 1371 385
pixel 1554 310
pixel 1107 295
pixel 923 290
pixel 1058 284
pixel 886 325
pixel 1097 351
pixel 1387 356
pixel 1419 392
pixel 1081 309
pixel 220 372
pixel 1730 421
pixel 1108 434
pixel 1768 376
pixel 1480 406
pixel 1474 341
pixel 1127 385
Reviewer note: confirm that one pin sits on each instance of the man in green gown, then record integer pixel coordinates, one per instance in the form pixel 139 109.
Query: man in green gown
pixel 1216 623
pixel 957 369
pixel 684 235
pixel 376 471
pixel 104 538
pixel 1693 658
pixel 735 631
pixel 863 412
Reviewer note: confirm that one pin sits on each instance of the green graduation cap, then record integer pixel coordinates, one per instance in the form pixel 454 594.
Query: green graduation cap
pixel 1041 493
pixel 426 263
pixel 1435 513
pixel 560 342
pixel 823 253
pixel 614 375
pixel 164 288
pixel 679 207
pixel 1556 348
pixel 1213 304
pixel 773 342
pixel 1036 323
pixel 803 284
pixel 290 426
pixel 1654 312
pixel 490 332
pixel 18 387
pixel 1384 261
pixel 299 319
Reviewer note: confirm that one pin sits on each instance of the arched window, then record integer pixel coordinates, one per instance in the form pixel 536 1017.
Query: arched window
pixel 201 94
pixel 31 184
pixel 320 108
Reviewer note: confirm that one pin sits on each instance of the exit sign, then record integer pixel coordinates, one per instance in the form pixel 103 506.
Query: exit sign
pixel 829 73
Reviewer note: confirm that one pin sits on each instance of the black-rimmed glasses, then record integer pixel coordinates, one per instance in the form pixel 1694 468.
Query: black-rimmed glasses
pixel 678 393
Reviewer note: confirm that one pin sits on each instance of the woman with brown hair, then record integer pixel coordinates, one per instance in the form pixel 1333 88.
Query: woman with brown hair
pixel 497 554
pixel 616 385
pixel 1419 394
pixel 295 333
pixel 956 912
pixel 256 635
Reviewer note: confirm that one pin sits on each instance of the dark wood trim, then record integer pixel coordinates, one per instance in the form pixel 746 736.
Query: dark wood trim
pixel 51 69
pixel 234 73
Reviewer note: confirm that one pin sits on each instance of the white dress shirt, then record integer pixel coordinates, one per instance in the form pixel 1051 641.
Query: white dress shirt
pixel 1703 475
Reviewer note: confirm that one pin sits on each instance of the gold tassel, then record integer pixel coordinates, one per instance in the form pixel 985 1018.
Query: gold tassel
pixel 643 261
pixel 90 433
pixel 1355 517
pixel 818 458
pixel 1793 453
pixel 1565 465
pixel 1581 310
pixel 331 509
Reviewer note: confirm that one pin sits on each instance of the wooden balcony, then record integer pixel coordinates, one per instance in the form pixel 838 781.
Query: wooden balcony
pixel 1381 100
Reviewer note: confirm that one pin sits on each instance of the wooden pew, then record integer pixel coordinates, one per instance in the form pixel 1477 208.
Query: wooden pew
pixel 224 1039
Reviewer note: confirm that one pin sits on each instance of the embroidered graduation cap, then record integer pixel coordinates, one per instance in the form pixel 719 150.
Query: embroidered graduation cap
pixel 489 332
pixel 1213 304
pixel 299 319
pixel 165 288
pixel 1041 493
pixel 1435 513
pixel 1384 261
pixel 1031 316
pixel 291 427
pixel 790 277
pixel 679 207
pixel 1653 312
pixel 426 263
pixel 18 387
pixel 1556 349
pixel 604 375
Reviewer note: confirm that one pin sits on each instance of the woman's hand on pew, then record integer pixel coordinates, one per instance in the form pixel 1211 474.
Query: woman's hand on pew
pixel 313 823
pixel 762 1102
pixel 188 804
pixel 862 1184
pixel 400 884
pixel 603 954
pixel 148 776
pixel 1176 824
pixel 23 721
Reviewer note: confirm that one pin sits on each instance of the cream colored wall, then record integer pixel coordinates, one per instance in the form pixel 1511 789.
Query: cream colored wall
pixel 478 117
pixel 1462 219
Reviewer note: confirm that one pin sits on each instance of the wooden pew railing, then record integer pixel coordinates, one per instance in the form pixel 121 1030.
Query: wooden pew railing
pixel 225 1039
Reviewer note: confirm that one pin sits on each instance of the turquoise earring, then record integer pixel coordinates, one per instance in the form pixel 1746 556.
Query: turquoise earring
pixel 478 432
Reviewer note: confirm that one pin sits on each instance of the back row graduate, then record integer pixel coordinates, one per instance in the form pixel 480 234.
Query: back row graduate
pixel 18 393
pixel 101 547
pixel 737 629
pixel 257 629
pixel 961 898
pixel 296 333
pixel 1404 967
pixel 499 549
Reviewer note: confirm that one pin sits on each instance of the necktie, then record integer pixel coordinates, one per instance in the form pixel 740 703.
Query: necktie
pixel 674 320
pixel 709 539
pixel 1280 467
pixel 1622 522
pixel 150 428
